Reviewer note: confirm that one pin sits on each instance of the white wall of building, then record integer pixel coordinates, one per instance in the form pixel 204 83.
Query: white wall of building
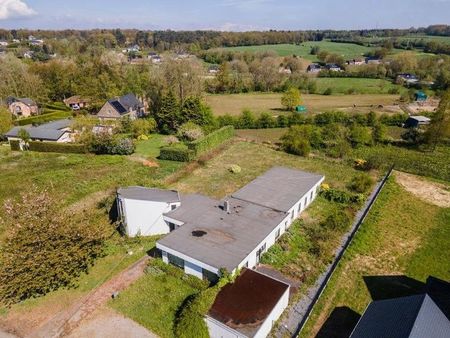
pixel 266 327
pixel 217 329
pixel 144 218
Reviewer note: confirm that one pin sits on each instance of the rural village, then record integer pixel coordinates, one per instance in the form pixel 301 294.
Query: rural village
pixel 213 183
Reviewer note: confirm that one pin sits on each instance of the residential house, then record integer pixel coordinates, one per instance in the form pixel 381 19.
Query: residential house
pixel 407 78
pixel 141 210
pixel 416 121
pixel 248 307
pixel 56 131
pixel 213 69
pixel 154 57
pixel 314 68
pixel 3 43
pixel 332 67
pixel 355 62
pixel 234 233
pixel 22 107
pixel 132 49
pixel 417 316
pixel 285 70
pixel 28 54
pixel 76 102
pixel 373 60
pixel 127 105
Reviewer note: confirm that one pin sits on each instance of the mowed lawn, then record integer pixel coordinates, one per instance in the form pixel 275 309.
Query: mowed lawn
pixel 405 237
pixel 234 104
pixel 347 50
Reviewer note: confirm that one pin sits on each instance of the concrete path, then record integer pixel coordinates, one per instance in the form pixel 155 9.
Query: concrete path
pixel 106 323
pixel 65 322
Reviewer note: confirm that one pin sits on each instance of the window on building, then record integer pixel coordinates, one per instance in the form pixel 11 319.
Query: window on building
pixel 259 253
pixel 312 194
pixel 177 261
pixel 209 276
pixel 277 234
pixel 299 207
pixel 292 214
pixel 172 226
pixel 173 207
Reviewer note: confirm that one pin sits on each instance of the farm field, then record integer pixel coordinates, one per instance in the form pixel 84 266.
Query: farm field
pixel 347 50
pixel 394 252
pixel 233 104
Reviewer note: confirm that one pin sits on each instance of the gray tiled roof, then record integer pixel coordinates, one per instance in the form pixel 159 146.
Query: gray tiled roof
pixel 406 317
pixel 51 131
pixel 126 102
pixel 228 237
pixel 149 194
pixel 279 188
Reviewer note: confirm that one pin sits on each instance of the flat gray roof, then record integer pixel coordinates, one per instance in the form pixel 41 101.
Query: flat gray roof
pixel 149 194
pixel 216 237
pixel 279 188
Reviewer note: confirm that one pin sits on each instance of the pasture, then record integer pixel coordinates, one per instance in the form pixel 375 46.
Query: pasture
pixel 303 50
pixel 234 104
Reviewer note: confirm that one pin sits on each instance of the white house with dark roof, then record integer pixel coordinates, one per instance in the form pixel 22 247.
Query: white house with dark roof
pixel 56 131
pixel 141 210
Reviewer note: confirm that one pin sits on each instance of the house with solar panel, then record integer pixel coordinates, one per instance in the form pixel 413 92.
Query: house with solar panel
pixel 119 107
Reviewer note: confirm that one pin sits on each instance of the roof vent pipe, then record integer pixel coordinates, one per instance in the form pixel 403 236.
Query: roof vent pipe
pixel 226 206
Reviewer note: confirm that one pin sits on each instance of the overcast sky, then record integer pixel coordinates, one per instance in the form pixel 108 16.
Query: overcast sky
pixel 234 15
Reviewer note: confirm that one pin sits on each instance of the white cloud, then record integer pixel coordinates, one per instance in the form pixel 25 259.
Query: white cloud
pixel 15 9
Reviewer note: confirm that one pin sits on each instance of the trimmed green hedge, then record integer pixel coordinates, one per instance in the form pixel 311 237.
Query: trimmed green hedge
pixel 44 118
pixel 15 145
pixel 56 147
pixel 176 153
pixel 211 140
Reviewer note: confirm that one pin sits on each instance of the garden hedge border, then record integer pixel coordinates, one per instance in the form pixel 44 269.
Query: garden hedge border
pixel 211 140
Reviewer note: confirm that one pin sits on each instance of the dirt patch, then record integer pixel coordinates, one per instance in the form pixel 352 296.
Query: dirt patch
pixel 70 318
pixel 106 322
pixel 428 191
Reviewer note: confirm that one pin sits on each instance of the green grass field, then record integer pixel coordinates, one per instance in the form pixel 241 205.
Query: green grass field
pixel 153 301
pixel 234 104
pixel 356 86
pixel 346 50
pixel 395 240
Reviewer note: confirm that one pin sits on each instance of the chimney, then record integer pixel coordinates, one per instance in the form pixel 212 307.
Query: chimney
pixel 226 206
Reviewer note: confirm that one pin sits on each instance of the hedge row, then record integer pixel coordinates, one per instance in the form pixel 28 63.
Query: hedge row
pixel 176 153
pixel 15 145
pixel 56 147
pixel 211 140
pixel 39 119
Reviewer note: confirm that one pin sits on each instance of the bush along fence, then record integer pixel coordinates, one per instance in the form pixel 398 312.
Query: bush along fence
pixel 299 313
pixel 196 148
pixel 51 147
pixel 43 118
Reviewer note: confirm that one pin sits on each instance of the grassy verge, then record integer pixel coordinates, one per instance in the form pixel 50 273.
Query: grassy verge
pixel 154 301
pixel 395 239
pixel 150 147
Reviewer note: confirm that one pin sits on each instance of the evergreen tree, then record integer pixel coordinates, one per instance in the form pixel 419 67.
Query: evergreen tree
pixel 168 115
